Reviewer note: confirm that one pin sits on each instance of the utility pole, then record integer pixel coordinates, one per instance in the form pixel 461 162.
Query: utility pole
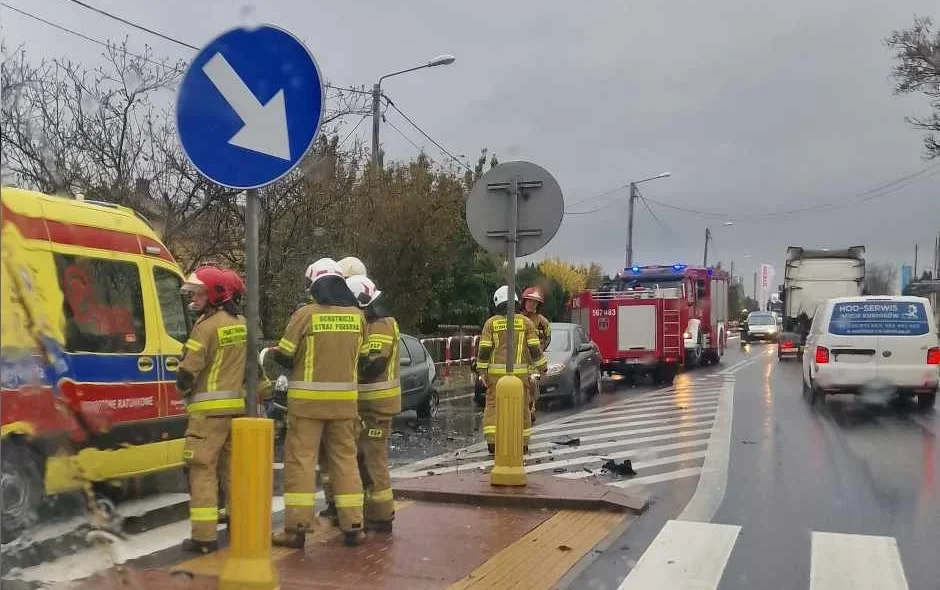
pixel 755 285
pixel 633 197
pixel 376 122
pixel 916 276
pixel 708 236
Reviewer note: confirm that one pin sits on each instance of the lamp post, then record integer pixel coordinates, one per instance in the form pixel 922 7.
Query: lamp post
pixel 708 238
pixel 634 195
pixel 440 60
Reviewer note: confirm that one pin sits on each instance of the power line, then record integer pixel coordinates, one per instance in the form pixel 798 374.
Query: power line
pixel 133 24
pixel 361 119
pixel 82 35
pixel 148 30
pixel 877 192
pixel 405 137
pixel 589 211
pixel 428 137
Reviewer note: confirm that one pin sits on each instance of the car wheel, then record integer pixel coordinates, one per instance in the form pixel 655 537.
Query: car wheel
pixel 21 488
pixel 430 406
pixel 598 384
pixel 577 394
pixel 925 401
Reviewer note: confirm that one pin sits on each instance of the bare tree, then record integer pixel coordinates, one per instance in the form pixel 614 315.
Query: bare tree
pixel 881 279
pixel 918 70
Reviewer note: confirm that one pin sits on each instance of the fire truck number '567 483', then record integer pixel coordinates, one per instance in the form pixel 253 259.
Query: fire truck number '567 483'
pixel 656 319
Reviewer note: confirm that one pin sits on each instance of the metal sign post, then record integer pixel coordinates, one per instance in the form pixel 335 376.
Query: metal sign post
pixel 514 188
pixel 248 110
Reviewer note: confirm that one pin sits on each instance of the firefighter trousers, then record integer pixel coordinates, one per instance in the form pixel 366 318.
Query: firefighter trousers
pixel 489 410
pixel 208 444
pixel 373 466
pixel 301 453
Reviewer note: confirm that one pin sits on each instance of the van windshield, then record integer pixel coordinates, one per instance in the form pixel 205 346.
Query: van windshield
pixel 879 318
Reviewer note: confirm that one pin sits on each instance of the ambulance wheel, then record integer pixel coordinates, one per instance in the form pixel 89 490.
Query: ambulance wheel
pixel 21 488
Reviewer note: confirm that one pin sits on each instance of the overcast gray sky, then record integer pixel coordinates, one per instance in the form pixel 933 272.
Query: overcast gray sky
pixel 754 108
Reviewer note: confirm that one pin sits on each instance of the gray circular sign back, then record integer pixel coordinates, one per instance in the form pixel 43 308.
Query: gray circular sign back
pixel 541 208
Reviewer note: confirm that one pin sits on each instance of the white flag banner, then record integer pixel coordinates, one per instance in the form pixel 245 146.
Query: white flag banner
pixel 765 278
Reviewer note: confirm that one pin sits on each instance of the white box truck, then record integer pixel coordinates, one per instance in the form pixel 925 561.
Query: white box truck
pixel 813 276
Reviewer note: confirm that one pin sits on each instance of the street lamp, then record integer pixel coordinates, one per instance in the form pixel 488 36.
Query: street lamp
pixel 440 60
pixel 708 237
pixel 634 194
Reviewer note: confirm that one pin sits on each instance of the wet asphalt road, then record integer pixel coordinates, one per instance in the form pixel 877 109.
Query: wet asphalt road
pixel 864 468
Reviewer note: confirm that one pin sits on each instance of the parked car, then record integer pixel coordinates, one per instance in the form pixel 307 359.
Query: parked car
pixel 880 343
pixel 418 376
pixel 574 366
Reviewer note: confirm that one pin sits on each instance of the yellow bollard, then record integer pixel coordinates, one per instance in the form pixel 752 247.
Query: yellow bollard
pixel 510 405
pixel 248 564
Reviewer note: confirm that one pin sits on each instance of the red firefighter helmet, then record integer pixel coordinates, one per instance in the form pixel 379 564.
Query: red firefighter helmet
pixel 216 284
pixel 235 283
pixel 533 294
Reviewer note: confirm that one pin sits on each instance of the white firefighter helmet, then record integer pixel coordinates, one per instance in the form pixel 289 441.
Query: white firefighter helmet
pixel 502 296
pixel 352 267
pixel 364 290
pixel 325 267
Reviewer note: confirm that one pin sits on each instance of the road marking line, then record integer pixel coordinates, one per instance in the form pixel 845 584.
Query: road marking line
pixel 674 398
pixel 567 427
pixel 659 411
pixel 598 457
pixel 859 562
pixel 644 464
pixel 710 490
pixel 658 478
pixel 583 454
pixel 622 424
pixel 684 555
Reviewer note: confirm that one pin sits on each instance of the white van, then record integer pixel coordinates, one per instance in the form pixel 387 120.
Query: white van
pixel 881 342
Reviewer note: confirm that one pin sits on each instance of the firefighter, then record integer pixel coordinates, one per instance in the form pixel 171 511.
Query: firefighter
pixel 379 402
pixel 321 347
pixel 352 267
pixel 532 300
pixel 210 378
pixel 491 361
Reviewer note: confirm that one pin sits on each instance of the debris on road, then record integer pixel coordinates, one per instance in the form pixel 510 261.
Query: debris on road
pixel 625 468
pixel 571 442
pixel 560 469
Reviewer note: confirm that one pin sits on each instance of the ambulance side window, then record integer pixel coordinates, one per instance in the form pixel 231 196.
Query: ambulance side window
pixel 103 304
pixel 172 307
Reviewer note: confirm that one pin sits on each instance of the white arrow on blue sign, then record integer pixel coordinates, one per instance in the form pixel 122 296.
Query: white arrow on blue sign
pixel 249 106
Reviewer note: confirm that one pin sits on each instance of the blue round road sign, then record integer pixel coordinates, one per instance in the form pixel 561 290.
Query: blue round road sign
pixel 249 106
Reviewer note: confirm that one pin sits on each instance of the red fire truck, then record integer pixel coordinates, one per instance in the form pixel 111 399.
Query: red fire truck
pixel 656 319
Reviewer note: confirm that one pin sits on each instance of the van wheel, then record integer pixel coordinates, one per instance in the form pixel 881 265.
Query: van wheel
pixel 21 488
pixel 925 401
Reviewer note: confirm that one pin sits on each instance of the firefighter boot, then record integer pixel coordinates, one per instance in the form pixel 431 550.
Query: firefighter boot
pixel 353 537
pixel 294 539
pixel 201 547
pixel 330 512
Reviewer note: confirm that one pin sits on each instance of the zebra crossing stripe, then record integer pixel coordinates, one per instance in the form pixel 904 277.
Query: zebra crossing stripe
pixel 647 412
pixel 603 425
pixel 684 555
pixel 860 562
pixel 619 420
pixel 644 464
pixel 648 480
pixel 596 458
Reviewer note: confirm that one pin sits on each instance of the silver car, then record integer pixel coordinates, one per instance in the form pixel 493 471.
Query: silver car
pixel 574 366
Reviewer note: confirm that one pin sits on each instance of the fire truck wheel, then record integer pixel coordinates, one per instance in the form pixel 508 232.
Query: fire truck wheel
pixel 21 487
pixel 694 358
